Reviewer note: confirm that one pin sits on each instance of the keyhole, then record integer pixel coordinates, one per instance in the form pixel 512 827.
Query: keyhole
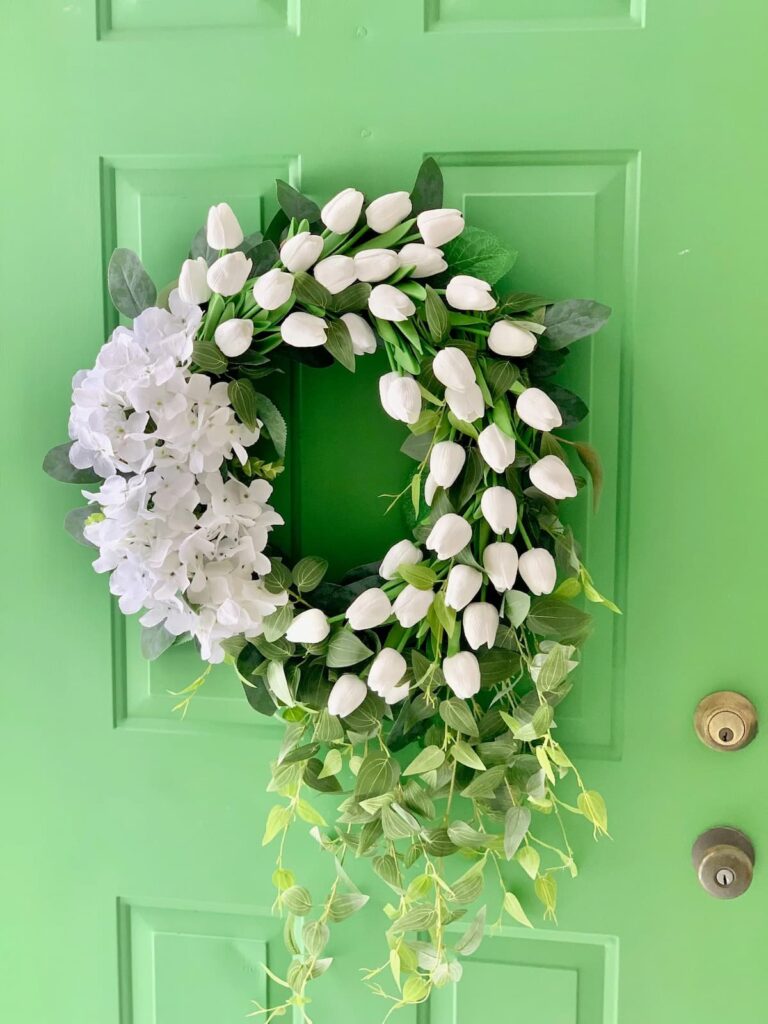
pixel 724 877
pixel 725 735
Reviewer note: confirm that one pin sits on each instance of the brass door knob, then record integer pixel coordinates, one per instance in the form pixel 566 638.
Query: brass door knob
pixel 724 859
pixel 726 720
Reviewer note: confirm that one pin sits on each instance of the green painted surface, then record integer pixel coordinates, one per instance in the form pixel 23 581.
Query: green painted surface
pixel 621 151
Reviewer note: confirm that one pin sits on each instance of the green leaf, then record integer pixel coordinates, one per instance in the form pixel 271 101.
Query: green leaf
pixel 338 341
pixel 466 755
pixel 529 860
pixel 573 319
pixel 208 357
pixel 277 622
pixel 242 396
pixel 255 686
pixel 545 888
pixel 331 764
pixel 298 900
pixel 517 605
pixel 308 573
pixel 572 408
pixel 130 286
pixel 515 910
pixel 294 204
pixel 469 886
pixel 345 648
pixel 416 988
pixel 56 464
pixel 479 254
pixel 155 640
pixel 470 478
pixel 516 824
pixel 199 246
pixel 438 842
pixel 415 920
pixel 264 257
pixel 278 818
pixel 378 775
pixel 485 784
pixel 437 315
pixel 591 462
pixel 427 192
pixel 592 806
pixel 330 784
pixel 75 522
pixel 427 759
pixel 553 671
pixel 344 904
pixel 389 238
pixel 416 446
pixel 456 714
pixel 278 578
pixel 500 376
pixel 398 823
pixel 366 718
pixel 420 576
pixel 273 420
pixel 465 837
pixel 314 937
pixel 551 617
pixel 497 665
pixel 353 299
pixel 309 291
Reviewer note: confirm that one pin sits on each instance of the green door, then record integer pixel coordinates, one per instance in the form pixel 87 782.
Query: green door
pixel 621 150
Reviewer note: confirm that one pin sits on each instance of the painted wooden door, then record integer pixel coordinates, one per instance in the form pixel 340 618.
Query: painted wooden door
pixel 619 145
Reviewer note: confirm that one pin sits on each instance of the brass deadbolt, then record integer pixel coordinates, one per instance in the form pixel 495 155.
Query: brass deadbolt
pixel 725 720
pixel 724 859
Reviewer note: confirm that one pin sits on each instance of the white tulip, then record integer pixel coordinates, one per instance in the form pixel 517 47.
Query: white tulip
pixel 400 397
pixel 222 229
pixel 552 476
pixel 537 409
pixel 507 339
pixel 341 213
pixel 387 669
pixel 465 292
pixel 369 609
pixel 467 405
pixel 450 534
pixel 437 227
pixel 430 489
pixel 363 338
pixel 411 605
pixel 310 627
pixel 335 273
pixel 499 509
pixel 496 448
pixel 404 552
pixel 234 337
pixel 397 693
pixel 424 259
pixel 375 264
pixel 303 330
pixel 446 462
pixel 273 289
pixel 193 283
pixel 301 251
pixel 229 273
pixel 500 562
pixel 389 303
pixel 538 570
pixel 462 673
pixel 348 693
pixel 453 369
pixel 463 584
pixel 480 622
pixel 387 211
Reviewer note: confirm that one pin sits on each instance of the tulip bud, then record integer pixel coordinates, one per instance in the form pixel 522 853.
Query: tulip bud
pixel 310 627
pixel 229 273
pixel 397 693
pixel 301 251
pixel 500 562
pixel 446 462
pixel 537 409
pixel 303 330
pixel 404 552
pixel 496 448
pixel 450 534
pixel 363 338
pixel 425 260
pixel 538 570
pixel 389 303
pixel 430 488
pixel 453 369
pixel 348 693
pixel 507 339
pixel 234 337
pixel 400 397
pixel 387 669
pixel 375 264
pixel 465 292
pixel 369 609
pixel 463 583
pixel 467 405
pixel 222 229
pixel 273 289
pixel 341 213
pixel 462 673
pixel 480 622
pixel 411 605
pixel 437 227
pixel 193 283
pixel 552 477
pixel 335 273
pixel 499 509
pixel 387 211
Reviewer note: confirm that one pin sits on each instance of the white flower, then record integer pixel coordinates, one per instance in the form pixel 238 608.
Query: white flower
pixel 450 534
pixel 273 289
pixel 193 284
pixel 425 260
pixel 463 584
pixel 496 448
pixel 500 562
pixel 453 369
pixel 465 292
pixel 462 673
pixel 430 489
pixel 499 509
pixel 363 338
pixel 387 669
pixel 222 228
pixel 303 330
pixel 404 552
pixel 389 303
pixel 446 462
pixel 309 627
pixel 387 211
pixel 369 609
pixel 397 693
pixel 537 409
pixel 341 213
pixel 538 570
pixel 229 273
pixel 347 693
pixel 400 397
pixel 301 251
pixel 468 405
pixel 411 605
pixel 480 623
pixel 507 339
pixel 234 337
pixel 437 227
pixel 552 477
pixel 375 264
pixel 335 273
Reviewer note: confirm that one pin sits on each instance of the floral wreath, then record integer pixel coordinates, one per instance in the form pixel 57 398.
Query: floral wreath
pixel 422 688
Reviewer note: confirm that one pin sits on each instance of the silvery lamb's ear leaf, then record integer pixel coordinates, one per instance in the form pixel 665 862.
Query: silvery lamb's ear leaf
pixel 130 286
pixel 56 464
pixel 427 193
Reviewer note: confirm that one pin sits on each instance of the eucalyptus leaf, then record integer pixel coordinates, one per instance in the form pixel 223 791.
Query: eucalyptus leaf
pixel 130 286
pixel 155 640
pixel 294 204
pixel 75 522
pixel 427 192
pixel 56 464
pixel 263 256
pixel 573 319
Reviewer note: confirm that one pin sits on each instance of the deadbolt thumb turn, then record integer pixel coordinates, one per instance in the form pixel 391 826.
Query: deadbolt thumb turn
pixel 724 859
